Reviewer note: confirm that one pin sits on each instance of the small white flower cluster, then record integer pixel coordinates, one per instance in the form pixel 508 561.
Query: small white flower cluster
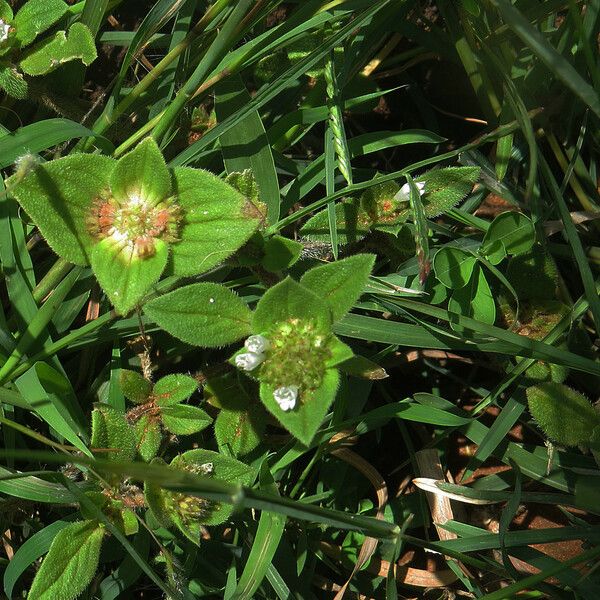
pixel 256 345
pixel 286 397
pixel 404 193
pixel 4 30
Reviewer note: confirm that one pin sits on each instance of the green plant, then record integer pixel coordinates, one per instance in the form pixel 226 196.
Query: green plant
pixel 129 218
pixel 265 263
pixel 18 57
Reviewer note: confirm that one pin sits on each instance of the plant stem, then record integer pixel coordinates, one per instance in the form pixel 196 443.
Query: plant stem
pixel 578 190
pixel 57 272
pixel 38 324
pixel 231 493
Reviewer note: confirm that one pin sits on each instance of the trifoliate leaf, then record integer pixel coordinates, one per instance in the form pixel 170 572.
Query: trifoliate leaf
pixel 514 230
pixel 474 300
pixel 453 266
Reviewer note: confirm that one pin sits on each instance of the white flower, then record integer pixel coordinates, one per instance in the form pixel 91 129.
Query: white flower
pixel 257 344
pixel 286 396
pixel 404 193
pixel 4 30
pixel 248 361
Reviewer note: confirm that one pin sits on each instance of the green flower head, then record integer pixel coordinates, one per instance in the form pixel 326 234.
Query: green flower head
pixel 189 513
pixel 132 218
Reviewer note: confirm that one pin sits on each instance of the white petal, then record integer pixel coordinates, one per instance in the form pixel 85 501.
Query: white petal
pixel 4 30
pixel 257 344
pixel 248 361
pixel 404 193
pixel 286 396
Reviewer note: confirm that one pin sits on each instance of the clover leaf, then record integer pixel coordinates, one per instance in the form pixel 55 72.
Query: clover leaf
pixel 159 408
pixel 134 217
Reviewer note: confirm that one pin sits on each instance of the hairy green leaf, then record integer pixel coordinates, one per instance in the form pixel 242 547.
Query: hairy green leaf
pixel 135 387
pixel 564 415
pixel 112 433
pixel 12 82
pixel 59 195
pixel 70 564
pixel 182 419
pixel 35 16
pixel 124 275
pixel 217 220
pixel 305 419
pixel 202 314
pixel 75 44
pixel 174 388
pixel 340 283
pixel 286 300
pixel 142 174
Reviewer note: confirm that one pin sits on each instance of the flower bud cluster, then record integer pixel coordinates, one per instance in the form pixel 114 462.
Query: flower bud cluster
pixel 191 508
